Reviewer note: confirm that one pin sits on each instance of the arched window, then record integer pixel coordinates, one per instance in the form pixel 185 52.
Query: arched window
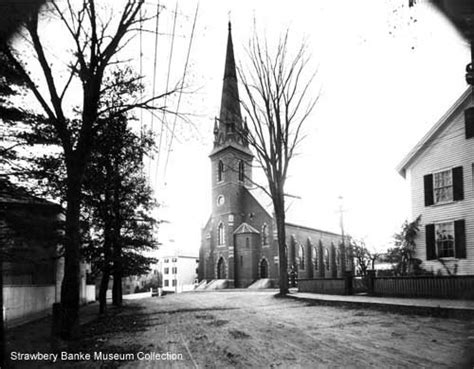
pixel 348 259
pixel 301 256
pixel 220 234
pixel 315 258
pixel 326 258
pixel 220 170
pixel 247 242
pixel 338 257
pixel 241 170
pixel 264 234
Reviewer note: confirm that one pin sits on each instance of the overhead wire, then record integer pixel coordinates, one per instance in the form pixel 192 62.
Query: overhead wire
pixel 141 71
pixel 163 118
pixel 155 63
pixel 181 91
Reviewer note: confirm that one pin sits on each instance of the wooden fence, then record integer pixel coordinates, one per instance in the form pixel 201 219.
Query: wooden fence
pixel 330 286
pixel 455 287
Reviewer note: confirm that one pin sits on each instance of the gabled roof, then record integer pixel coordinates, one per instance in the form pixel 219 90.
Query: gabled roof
pixel 13 194
pixel 434 132
pixel 245 228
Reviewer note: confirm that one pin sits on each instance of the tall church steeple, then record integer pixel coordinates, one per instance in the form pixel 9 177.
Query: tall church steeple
pixel 229 128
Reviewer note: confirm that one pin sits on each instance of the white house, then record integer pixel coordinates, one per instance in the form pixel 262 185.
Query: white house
pixel 179 272
pixel 31 269
pixel 440 170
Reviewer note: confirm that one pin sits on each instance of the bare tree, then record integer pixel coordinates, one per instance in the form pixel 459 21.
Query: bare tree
pixel 277 102
pixel 96 42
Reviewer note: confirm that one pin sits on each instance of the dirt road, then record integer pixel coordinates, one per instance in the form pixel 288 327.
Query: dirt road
pixel 255 329
pixel 245 329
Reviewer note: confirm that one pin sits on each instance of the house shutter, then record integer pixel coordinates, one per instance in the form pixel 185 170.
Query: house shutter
pixel 469 122
pixel 430 242
pixel 460 238
pixel 458 184
pixel 428 181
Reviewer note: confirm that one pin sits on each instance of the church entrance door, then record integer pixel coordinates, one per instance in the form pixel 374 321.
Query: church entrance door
pixel 221 268
pixel 264 268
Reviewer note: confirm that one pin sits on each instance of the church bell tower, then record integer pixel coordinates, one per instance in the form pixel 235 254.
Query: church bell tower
pixel 231 161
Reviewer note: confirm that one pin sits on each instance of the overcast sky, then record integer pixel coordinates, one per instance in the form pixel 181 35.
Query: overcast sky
pixel 386 73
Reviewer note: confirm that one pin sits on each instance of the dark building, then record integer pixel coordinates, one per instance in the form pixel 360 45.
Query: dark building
pixel 239 242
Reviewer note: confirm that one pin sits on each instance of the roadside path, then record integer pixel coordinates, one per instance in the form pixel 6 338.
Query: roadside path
pixel 431 304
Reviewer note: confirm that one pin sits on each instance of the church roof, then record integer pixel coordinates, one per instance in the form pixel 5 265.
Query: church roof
pixel 296 212
pixel 245 228
pixel 262 198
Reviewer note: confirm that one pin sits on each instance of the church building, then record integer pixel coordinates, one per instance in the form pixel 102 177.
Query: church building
pixel 239 241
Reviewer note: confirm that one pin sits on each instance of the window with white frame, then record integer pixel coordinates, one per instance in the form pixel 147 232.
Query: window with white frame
pixel 174 282
pixel 444 237
pixel 167 283
pixel 443 186
pixel 167 270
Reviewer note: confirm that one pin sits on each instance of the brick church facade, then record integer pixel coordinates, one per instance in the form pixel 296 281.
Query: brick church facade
pixel 239 241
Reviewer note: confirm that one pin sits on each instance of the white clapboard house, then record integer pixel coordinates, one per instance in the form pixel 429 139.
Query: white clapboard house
pixel 440 171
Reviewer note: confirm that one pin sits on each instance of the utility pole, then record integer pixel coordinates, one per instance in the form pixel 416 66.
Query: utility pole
pixel 341 217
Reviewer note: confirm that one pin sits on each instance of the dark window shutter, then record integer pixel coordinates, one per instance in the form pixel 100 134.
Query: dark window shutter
pixel 458 184
pixel 469 122
pixel 430 242
pixel 460 238
pixel 428 180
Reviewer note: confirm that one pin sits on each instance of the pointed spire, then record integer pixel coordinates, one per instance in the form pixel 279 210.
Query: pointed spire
pixel 229 71
pixel 228 128
pixel 230 115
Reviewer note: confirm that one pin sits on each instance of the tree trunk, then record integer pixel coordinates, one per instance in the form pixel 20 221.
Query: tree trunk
pixel 117 244
pixel 71 282
pixel 2 327
pixel 279 205
pixel 104 284
pixel 117 287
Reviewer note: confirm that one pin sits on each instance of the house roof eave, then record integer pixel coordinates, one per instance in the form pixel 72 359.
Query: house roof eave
pixel 424 143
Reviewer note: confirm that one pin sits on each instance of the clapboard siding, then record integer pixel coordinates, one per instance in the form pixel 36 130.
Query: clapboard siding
pixel 448 149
